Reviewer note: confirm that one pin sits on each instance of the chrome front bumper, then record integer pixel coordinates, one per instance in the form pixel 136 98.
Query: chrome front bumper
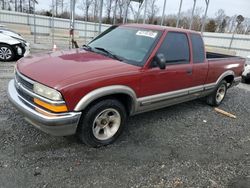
pixel 57 124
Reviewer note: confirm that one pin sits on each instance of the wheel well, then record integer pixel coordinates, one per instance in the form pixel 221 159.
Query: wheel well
pixel 125 99
pixel 229 79
pixel 6 44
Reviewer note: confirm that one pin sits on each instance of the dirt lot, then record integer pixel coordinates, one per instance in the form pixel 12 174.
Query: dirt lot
pixel 187 145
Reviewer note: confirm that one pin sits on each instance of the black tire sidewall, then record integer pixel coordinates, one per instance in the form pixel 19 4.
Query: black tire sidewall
pixel 12 51
pixel 85 132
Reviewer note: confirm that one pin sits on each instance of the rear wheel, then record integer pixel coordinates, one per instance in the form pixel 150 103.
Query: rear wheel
pixel 102 123
pixel 216 98
pixel 6 53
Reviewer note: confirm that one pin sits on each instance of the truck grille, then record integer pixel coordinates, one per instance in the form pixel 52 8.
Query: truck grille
pixel 20 79
pixel 22 83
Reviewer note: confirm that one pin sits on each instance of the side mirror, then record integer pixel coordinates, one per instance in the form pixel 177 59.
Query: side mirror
pixel 160 60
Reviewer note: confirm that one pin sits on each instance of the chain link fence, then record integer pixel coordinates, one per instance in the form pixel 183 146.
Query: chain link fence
pixel 38 30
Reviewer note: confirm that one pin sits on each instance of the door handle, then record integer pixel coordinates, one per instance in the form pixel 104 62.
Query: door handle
pixel 189 71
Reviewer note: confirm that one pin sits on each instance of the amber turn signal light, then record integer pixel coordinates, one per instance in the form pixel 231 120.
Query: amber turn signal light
pixel 53 108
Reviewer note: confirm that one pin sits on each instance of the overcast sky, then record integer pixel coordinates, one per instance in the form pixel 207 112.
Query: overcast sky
pixel 231 7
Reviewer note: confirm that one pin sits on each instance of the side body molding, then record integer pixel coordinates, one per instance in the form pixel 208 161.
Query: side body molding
pixel 105 91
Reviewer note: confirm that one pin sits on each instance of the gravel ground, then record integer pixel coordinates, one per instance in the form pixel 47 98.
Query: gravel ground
pixel 187 145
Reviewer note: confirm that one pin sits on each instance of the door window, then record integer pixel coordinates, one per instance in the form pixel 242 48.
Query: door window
pixel 175 48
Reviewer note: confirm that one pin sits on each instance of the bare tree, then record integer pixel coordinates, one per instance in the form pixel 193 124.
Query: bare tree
pixel 121 4
pixel 170 20
pixel 247 26
pixel 211 26
pixel 220 20
pixel 85 6
pixel 185 18
pixel 152 10
pixel 136 10
pixel 197 19
pixel 108 4
pixel 115 11
pixel 230 24
pixel 95 9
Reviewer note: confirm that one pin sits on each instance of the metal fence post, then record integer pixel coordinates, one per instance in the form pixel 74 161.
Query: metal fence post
pixel 179 14
pixel 125 12
pixel 100 16
pixel 34 19
pixel 53 24
pixel 85 33
pixel 192 16
pixel 72 42
pixel 205 17
pixel 114 20
pixel 163 12
pixel 145 11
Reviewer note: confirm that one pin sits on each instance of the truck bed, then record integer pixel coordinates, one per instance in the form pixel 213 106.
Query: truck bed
pixel 220 63
pixel 218 56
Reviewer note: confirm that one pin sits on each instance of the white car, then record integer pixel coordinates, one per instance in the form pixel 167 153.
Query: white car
pixel 12 45
pixel 246 72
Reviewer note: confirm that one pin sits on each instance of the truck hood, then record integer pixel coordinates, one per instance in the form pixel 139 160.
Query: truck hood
pixel 61 68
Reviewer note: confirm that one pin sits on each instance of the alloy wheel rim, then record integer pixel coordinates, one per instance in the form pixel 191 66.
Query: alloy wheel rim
pixel 5 53
pixel 220 94
pixel 106 124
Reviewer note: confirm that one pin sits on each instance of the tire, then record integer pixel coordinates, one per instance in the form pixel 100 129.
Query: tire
pixel 218 95
pixel 6 52
pixel 102 123
pixel 243 79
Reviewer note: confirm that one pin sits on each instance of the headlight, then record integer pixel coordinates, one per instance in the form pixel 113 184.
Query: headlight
pixel 47 92
pixel 19 50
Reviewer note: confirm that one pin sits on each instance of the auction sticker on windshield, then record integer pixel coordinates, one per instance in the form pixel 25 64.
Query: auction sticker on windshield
pixel 147 33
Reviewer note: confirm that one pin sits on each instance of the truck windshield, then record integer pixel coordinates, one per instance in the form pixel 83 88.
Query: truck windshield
pixel 130 45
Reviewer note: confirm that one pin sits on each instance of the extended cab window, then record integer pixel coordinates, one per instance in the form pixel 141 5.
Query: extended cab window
pixel 198 48
pixel 175 48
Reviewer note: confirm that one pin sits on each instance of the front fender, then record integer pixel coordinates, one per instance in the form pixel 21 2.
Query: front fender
pixel 105 91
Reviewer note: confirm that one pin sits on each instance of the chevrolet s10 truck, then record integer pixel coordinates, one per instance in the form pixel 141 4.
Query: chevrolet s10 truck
pixel 126 70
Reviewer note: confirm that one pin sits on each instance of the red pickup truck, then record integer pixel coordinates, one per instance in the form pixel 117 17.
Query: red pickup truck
pixel 126 70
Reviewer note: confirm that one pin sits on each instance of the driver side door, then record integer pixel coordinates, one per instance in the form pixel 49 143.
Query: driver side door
pixel 160 85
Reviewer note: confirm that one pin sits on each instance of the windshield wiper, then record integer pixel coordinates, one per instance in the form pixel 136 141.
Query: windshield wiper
pixel 86 47
pixel 109 53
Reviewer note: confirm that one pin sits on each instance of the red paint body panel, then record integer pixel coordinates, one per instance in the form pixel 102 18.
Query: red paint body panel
pixel 172 78
pixel 77 72
pixel 216 67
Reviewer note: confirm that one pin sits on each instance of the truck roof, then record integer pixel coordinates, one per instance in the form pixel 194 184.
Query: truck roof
pixel 159 28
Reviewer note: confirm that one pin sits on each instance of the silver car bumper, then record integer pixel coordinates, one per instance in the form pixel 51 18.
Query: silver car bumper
pixel 57 124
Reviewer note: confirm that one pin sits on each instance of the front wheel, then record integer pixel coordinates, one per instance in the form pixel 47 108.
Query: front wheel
pixel 6 53
pixel 216 98
pixel 102 123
